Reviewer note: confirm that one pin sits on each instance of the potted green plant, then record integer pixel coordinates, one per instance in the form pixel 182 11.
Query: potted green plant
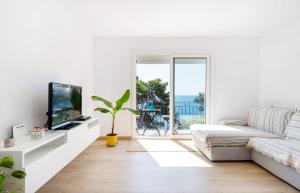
pixel 8 162
pixel 112 138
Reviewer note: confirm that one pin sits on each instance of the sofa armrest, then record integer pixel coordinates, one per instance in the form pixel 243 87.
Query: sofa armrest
pixel 234 122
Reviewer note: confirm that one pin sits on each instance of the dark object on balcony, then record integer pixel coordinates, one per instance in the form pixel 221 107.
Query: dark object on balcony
pixel 167 120
pixel 147 120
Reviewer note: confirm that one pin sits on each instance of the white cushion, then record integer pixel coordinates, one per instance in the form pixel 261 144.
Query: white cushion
pixel 256 116
pixel 293 128
pixel 269 119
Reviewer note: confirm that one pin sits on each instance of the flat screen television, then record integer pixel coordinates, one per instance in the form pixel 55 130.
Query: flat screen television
pixel 64 104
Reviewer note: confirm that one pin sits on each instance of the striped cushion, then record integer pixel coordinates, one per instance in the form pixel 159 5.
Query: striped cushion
pixel 276 120
pixel 269 119
pixel 256 114
pixel 293 109
pixel 293 128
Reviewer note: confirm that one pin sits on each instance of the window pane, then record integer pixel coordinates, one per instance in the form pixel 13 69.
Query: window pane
pixel 189 93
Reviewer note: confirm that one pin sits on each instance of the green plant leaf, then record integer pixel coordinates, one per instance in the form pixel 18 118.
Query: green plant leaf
pixel 121 101
pixel 106 102
pixel 132 111
pixel 1 187
pixel 1 179
pixel 7 162
pixel 102 110
pixel 18 174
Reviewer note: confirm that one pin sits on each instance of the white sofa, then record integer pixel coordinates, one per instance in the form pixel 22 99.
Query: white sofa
pixel 229 143
pixel 280 156
pixel 271 139
pixel 225 143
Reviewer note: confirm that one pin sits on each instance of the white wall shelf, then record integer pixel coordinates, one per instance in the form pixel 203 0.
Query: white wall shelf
pixel 42 159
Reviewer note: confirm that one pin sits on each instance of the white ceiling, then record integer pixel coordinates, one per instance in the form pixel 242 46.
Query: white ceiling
pixel 184 17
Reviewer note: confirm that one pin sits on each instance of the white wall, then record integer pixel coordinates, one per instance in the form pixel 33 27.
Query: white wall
pixel 43 41
pixel 280 66
pixel 40 42
pixel 235 62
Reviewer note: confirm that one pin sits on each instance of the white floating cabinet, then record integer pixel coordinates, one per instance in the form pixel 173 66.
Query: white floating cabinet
pixel 44 158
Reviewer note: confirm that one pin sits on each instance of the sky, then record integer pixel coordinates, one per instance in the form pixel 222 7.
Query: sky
pixel 189 78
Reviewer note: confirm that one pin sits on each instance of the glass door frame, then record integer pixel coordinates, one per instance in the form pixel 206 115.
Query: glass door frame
pixel 172 56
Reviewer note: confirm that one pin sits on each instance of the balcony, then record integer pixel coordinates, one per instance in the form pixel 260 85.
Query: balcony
pixel 155 119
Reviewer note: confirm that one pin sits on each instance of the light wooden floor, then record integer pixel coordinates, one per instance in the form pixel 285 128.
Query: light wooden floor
pixel 113 170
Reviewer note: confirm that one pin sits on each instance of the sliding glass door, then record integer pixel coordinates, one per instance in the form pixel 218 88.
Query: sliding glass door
pixel 153 96
pixel 189 93
pixel 171 94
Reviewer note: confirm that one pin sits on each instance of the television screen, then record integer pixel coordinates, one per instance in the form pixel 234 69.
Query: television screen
pixel 64 104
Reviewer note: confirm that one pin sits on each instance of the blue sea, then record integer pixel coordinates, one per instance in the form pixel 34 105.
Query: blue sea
pixel 185 98
pixel 185 105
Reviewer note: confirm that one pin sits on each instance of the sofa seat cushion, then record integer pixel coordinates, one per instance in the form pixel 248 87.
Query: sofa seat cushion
pixel 277 149
pixel 285 151
pixel 226 136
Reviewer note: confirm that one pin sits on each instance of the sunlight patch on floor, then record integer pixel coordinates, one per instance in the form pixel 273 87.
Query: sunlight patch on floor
pixel 174 153
pixel 178 159
pixel 168 145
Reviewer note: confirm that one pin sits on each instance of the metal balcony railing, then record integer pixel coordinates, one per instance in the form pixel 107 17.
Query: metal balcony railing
pixel 156 117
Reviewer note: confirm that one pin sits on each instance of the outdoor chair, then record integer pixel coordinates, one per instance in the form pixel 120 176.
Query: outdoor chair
pixel 167 121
